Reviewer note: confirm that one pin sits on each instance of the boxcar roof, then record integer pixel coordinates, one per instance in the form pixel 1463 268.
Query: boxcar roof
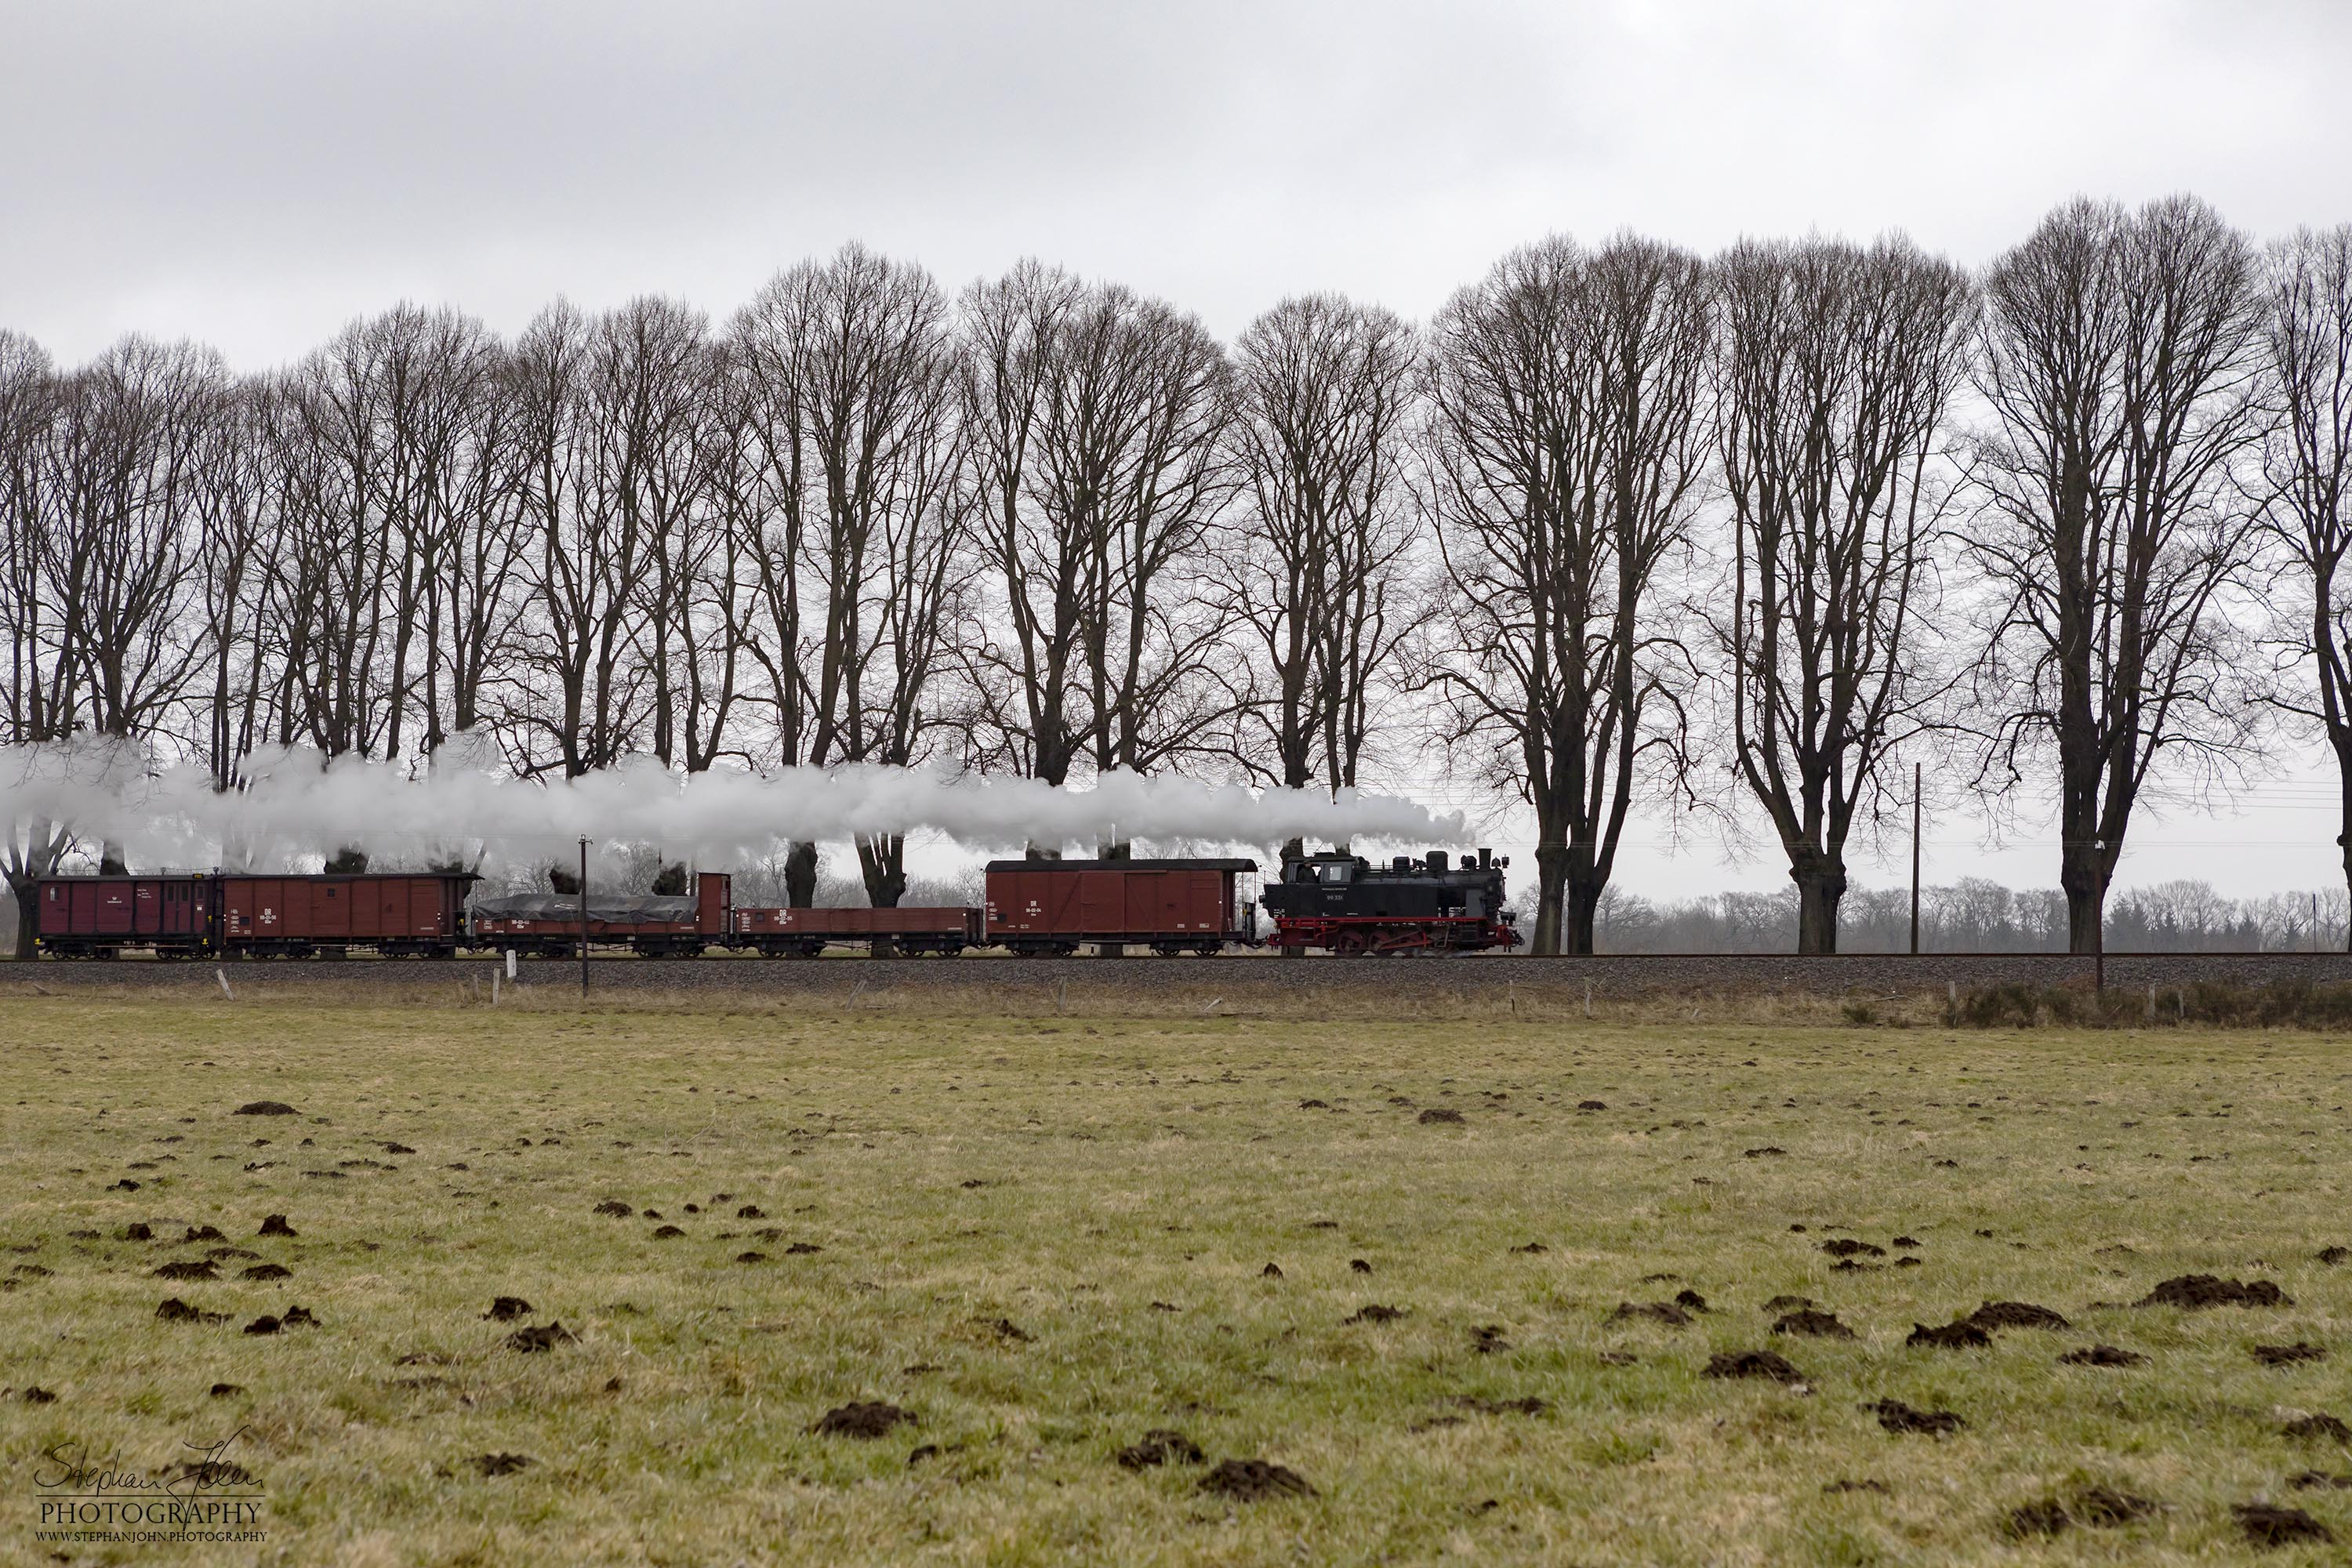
pixel 1122 865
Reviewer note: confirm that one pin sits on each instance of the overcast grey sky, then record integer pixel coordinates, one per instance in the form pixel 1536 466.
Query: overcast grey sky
pixel 254 175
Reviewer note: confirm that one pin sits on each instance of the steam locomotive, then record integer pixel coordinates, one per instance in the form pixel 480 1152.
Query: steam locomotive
pixel 1347 905
pixel 1334 901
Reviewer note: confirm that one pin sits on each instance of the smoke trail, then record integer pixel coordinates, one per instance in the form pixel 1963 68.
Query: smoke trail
pixel 294 804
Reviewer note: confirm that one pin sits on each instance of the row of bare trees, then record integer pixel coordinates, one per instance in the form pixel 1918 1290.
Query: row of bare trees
pixel 1619 526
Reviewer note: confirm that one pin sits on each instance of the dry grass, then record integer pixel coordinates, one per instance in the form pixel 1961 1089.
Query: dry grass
pixel 1061 1175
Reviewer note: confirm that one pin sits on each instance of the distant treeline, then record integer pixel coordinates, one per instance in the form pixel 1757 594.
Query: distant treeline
pixel 1975 915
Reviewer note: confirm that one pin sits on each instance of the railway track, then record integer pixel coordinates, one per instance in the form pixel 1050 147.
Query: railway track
pixel 1253 980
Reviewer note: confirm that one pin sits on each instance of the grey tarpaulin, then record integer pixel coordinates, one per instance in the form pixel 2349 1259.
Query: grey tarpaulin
pixel 614 909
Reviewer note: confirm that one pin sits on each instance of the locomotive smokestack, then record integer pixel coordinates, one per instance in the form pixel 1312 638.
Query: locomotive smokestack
pixel 1485 859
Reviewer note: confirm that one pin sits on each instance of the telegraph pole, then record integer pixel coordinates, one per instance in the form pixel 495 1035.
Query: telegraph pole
pixel 1914 859
pixel 584 917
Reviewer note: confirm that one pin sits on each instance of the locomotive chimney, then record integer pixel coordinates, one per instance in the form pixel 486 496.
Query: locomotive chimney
pixel 1485 859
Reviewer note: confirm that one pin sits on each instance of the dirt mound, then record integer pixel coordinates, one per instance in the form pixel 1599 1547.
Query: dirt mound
pixel 2332 1256
pixel 2194 1290
pixel 2288 1355
pixel 1592 1105
pixel 1752 1364
pixel 1007 1329
pixel 202 1233
pixel 2321 1427
pixel 275 1225
pixel 1769 1150
pixel 614 1207
pixel 2100 1507
pixel 1374 1313
pixel 2310 1480
pixel 856 1419
pixel 1692 1301
pixel 226 1390
pixel 37 1395
pixel 2102 1355
pixel 265 1107
pixel 1846 1247
pixel 1813 1325
pixel 1438 1116
pixel 545 1336
pixel 2016 1315
pixel 2267 1524
pixel 269 1271
pixel 1532 1249
pixel 1959 1334
pixel 1271 1271
pixel 298 1317
pixel 750 1257
pixel 1864 1485
pixel 801 1250
pixel 174 1310
pixel 1788 1304
pixel 499 1464
pixel 138 1230
pixel 1487 1339
pixel 1897 1417
pixel 664 1233
pixel 506 1308
pixel 207 1269
pixel 1313 1105
pixel 1160 1446
pixel 265 1324
pixel 1358 1265
pixel 750 1210
pixel 1254 1480
pixel 1907 1241
pixel 1662 1312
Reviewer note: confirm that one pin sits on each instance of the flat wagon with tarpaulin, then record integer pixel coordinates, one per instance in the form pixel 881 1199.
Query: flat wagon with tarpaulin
pixel 657 925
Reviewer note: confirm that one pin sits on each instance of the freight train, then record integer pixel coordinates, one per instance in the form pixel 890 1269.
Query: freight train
pixel 1335 902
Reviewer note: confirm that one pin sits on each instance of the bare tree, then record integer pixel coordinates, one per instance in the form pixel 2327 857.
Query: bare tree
pixel 2119 360
pixel 1835 371
pixel 2306 473
pixel 1567 445
pixel 1095 422
pixel 852 364
pixel 1315 574
pixel 32 846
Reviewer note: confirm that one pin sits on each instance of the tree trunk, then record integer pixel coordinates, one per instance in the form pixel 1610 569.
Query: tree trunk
pixel 800 876
pixel 2087 896
pixel 1552 885
pixel 27 910
pixel 1820 888
pixel 1581 910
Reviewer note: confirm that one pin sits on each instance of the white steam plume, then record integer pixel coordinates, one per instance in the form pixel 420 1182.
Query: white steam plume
pixel 294 804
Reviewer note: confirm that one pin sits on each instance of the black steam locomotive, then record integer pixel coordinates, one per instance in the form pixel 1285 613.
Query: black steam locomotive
pixel 1347 904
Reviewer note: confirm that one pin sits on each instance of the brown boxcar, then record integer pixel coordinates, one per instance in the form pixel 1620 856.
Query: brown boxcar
pixel 652 924
pixel 1050 907
pixel 98 917
pixel 784 932
pixel 395 914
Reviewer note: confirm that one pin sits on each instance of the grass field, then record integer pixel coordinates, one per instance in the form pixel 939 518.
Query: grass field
pixel 1044 1237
